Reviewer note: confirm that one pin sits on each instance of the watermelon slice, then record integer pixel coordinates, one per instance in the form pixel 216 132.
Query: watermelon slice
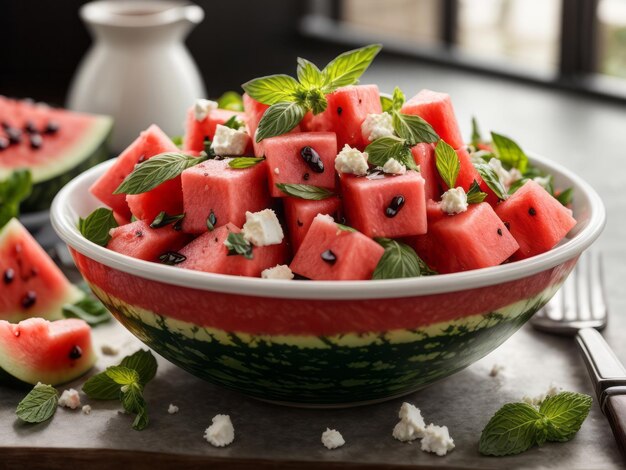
pixel 140 241
pixel 536 220
pixel 31 285
pixel 286 161
pixel 385 206
pixel 300 213
pixel 36 350
pixel 150 142
pixel 424 156
pixel 469 240
pixel 54 144
pixel 198 131
pixel 213 186
pixel 331 252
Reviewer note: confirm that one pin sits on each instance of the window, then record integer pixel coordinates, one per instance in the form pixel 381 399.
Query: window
pixel 612 37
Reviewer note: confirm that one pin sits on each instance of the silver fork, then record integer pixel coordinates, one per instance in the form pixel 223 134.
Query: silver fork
pixel 579 308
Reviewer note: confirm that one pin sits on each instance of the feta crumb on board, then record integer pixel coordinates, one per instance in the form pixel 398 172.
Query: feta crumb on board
pixel 109 350
pixel 411 425
pixel 454 201
pixel 263 228
pixel 227 141
pixel 172 409
pixel 394 167
pixel 86 410
pixel 69 399
pixel 331 438
pixel 202 108
pixel 280 271
pixel 221 433
pixel 376 126
pixel 352 161
pixel 537 400
pixel 437 440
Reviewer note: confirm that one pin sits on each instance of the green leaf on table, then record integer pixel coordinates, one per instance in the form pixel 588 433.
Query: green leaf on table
pixel 39 405
pixel 491 179
pixel 399 261
pixel 238 245
pixel 413 129
pixel 230 100
pixel 279 119
pixel 509 153
pixel 515 428
pixel 566 412
pixel 122 375
pixel 475 195
pixel 305 191
pixel 384 148
pixel 272 89
pixel 309 75
pixel 241 163
pixel 13 190
pixel 144 363
pixel 448 163
pixel 347 68
pixel 97 225
pixel 101 387
pixel 133 402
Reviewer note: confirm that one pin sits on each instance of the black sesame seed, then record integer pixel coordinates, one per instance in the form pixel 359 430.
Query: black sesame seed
pixel 312 159
pixel 76 353
pixel 36 141
pixel 306 177
pixel 52 127
pixel 29 299
pixel 500 231
pixel 4 143
pixel 339 110
pixel 8 276
pixel 532 211
pixel 394 206
pixel 329 257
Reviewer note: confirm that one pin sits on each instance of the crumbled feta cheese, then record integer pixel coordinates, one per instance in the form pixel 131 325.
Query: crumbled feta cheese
pixel 411 425
pixel 202 108
pixel 394 167
pixel 331 438
pixel 277 171
pixel 507 178
pixel 262 228
pixel 351 160
pixel 280 271
pixel 437 440
pixel 108 350
pixel 227 141
pixel 70 399
pixel 537 400
pixel 477 156
pixel 221 432
pixel 454 201
pixel 86 410
pixel 495 370
pixel 376 126
pixel 172 409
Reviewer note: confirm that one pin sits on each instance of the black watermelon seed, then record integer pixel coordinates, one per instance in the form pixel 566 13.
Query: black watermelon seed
pixel 52 127
pixel 329 257
pixel 532 211
pixel 31 128
pixel 172 258
pixel 76 353
pixel 299 222
pixel 14 135
pixel 394 206
pixel 339 110
pixel 312 159
pixel 36 141
pixel 8 276
pixel 500 231
pixel 306 177
pixel 507 225
pixel 138 233
pixel 4 143
pixel 29 299
pixel 141 159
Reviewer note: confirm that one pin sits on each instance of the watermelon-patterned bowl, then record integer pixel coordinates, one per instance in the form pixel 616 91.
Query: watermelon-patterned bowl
pixel 323 343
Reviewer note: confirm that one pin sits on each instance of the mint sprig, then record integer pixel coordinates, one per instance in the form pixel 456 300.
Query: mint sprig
pixel 475 195
pixel 97 225
pixel 347 68
pixel 305 191
pixel 384 148
pixel 510 154
pixel 413 129
pixel 272 89
pixel 13 190
pixel 238 245
pixel 39 405
pixel 447 163
pixel 280 118
pixel 399 261
pixel 241 163
pixel 517 427
pixel 491 179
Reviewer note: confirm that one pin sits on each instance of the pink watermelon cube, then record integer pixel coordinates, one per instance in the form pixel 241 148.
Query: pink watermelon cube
pixel 140 241
pixel 469 240
pixel 299 214
pixel 436 108
pixel 209 254
pixel 166 197
pixel 198 131
pixel 424 156
pixel 286 164
pixel 391 206
pixel 227 192
pixel 329 252
pixel 347 109
pixel 150 142
pixel 536 220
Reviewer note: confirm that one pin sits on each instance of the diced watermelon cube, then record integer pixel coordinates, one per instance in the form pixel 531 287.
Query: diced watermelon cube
pixel 166 197
pixel 214 186
pixel 300 213
pixel 390 206
pixel 469 240
pixel 140 241
pixel 150 142
pixel 536 219
pixel 198 131
pixel 209 254
pixel 285 163
pixel 347 109
pixel 424 156
pixel 332 253
pixel 436 108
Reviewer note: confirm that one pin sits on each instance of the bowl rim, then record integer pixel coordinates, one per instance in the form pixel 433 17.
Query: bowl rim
pixel 64 217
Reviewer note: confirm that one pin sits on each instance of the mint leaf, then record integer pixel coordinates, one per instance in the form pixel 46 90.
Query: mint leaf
pixel 399 261
pixel 565 197
pixel 155 171
pixel 316 101
pixel 241 163
pixel 476 137
pixel 305 191
pixel 88 309
pixel 566 412
pixel 230 100
pixel 491 179
pixel 397 99
pixel 346 228
pixel 97 225
pixel 144 363
pixel 413 129
pixel 279 119
pixel 233 123
pixel 122 375
pixel 238 245
pixel 384 148
pixel 347 68
pixel 309 75
pixel 509 152
pixel 475 195
pixel 178 141
pixel 39 405
pixel 162 219
pixel 134 403
pixel 272 89
pixel 448 163
pixel 13 190
pixel 515 428
pixel 101 387
pixel 386 103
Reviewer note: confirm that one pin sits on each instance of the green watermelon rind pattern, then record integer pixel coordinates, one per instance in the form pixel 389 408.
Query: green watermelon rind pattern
pixel 326 370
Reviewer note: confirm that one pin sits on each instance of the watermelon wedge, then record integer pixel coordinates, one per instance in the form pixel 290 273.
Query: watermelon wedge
pixel 198 131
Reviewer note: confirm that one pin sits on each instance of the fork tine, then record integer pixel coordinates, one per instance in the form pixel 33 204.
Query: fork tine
pixel 597 294
pixel 583 286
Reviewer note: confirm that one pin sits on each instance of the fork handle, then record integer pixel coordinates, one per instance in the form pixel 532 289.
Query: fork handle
pixel 614 408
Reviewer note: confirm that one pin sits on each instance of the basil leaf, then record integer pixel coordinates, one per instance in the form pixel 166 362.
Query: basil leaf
pixel 309 75
pixel 565 197
pixel 279 119
pixel 448 163
pixel 13 190
pixel 305 191
pixel 101 387
pixel 347 68
pixel 489 176
pixel 566 412
pixel 233 123
pixel 238 245
pixel 413 129
pixel 386 103
pixel 230 100
pixel 272 89
pixel 475 195
pixel 97 225
pixel 476 137
pixel 163 219
pixel 88 309
pixel 122 375
pixel 384 148
pixel 240 163
pixel 399 261
pixel 144 363
pixel 509 152
pixel 155 171
pixel 134 403
pixel 514 428
pixel 39 405
pixel 397 100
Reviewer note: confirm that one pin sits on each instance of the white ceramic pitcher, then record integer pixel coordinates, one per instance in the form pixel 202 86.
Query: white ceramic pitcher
pixel 138 70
